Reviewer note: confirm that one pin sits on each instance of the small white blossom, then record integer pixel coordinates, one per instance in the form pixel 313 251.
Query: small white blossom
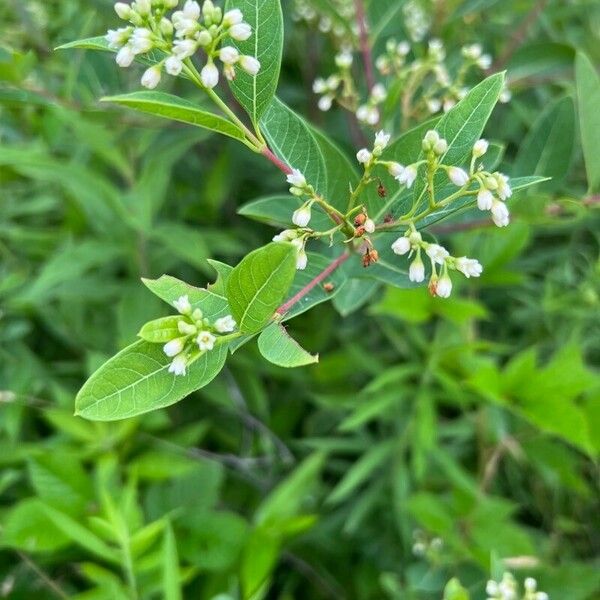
pixel 240 31
pixel 117 38
pixel 229 55
pixel 430 139
pixel 484 62
pixel 382 139
pixel 225 324
pixel 504 189
pixel 184 48
pixel 369 226
pixel 191 10
pixel 301 260
pixel 143 7
pixel 368 114
pixel 301 216
pixel 480 148
pixel 151 77
pixel 319 86
pixel 469 267
pixel 457 176
pixel 403 48
pixel 296 179
pixel 505 96
pixel 123 10
pixel 205 341
pixel 448 104
pixel 125 56
pixel 186 328
pixel 491 588
pixel 364 156
pixel 344 59
pixel 209 75
pixel 232 17
pixel 433 105
pixel 401 246
pixel 378 93
pixel 408 176
pixel 325 103
pixel 416 271
pixel 174 347
pixel 250 64
pixel 173 66
pixel 395 169
pixel 183 306
pixel 541 596
pixel 500 214
pixel 141 40
pixel 473 51
pixel 530 584
pixel 287 235
pixel 179 365
pixel 437 253
pixel 443 287
pixel 485 199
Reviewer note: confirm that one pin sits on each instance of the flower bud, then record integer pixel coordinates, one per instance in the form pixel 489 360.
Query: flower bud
pixel 416 271
pixel 166 27
pixel 229 55
pixel 382 139
pixel 437 253
pixel 186 328
pixel 485 199
pixel 369 226
pixel 301 260
pixel 240 32
pixel 232 17
pixel 182 305
pixel 301 216
pixel 344 60
pixel 173 66
pixel 142 7
pixel 125 56
pixel 123 10
pixel 480 148
pixel 296 179
pixel 431 138
pixel 250 64
pixel 325 103
pixel 209 75
pixel 225 324
pixel 401 246
pixel 179 365
pixel 457 176
pixel 174 347
pixel 378 93
pixel 204 38
pixel 364 156
pixel 151 77
pixel 500 214
pixel 443 287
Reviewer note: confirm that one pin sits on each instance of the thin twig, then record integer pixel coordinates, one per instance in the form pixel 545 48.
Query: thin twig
pixel 326 587
pixel 284 308
pixel 43 576
pixel 365 46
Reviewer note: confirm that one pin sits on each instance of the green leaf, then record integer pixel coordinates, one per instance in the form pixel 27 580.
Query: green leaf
pixel 548 147
pixel 292 140
pixel 278 347
pixel 161 331
pixel 354 294
pixel 258 285
pixel 170 561
pixel 265 44
pixel 177 109
pixel 455 591
pixel 137 380
pixel 588 97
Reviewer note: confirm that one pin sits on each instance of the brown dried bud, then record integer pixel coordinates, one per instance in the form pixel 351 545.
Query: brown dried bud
pixel 359 231
pixel 360 219
pixel 371 256
pixel 381 190
pixel 328 287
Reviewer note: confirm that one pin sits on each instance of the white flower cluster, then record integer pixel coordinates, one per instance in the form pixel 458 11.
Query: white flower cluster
pixel 179 36
pixel 369 113
pixel 305 10
pixel 416 20
pixel 412 243
pixel 508 589
pixel 335 85
pixel 301 218
pixel 198 335
pixel 394 59
pixel 423 546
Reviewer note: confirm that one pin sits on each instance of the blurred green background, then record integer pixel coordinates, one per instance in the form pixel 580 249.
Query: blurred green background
pixel 474 421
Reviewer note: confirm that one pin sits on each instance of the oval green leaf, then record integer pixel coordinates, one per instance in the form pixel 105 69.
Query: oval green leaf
pixel 278 347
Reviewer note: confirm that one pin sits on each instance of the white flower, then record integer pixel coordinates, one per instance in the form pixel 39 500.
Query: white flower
pixel 485 199
pixel 143 7
pixel 369 226
pixel 541 596
pixel 491 588
pixel 504 189
pixel 480 148
pixel 437 253
pixel 301 260
pixel 408 176
pixel 186 328
pixel 141 40
pixel 473 51
pixel 363 156
pixel 530 584
pixel 469 267
pixel 319 86
pixel 333 82
pixel 378 93
pixel 434 105
pixel 225 324
pixel 250 64
pixel 209 75
pixel 205 341
pixel 296 179
pixel 484 62
pixel 229 55
pixel 443 287
pixel 173 65
pixel 505 96
pixel 457 176
pixel 233 17
pixel 401 246
pixel 191 10
pixel 403 48
pixel 117 38
pixel 440 147
pixel 184 48
pixel 382 139
pixel 500 214
pixel 448 104
pixel 287 235
pixel 240 31
pixel 415 238
pixel 431 137
pixel 395 169
pixel 325 103
pixel 416 271
pixel 179 364
pixel 174 347
pixel 344 60
pixel 151 77
pixel 123 10
pixel 301 217
pixel 368 114
pixel 125 56
pixel 183 306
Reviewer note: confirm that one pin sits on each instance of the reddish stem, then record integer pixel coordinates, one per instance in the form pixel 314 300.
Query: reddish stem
pixel 324 274
pixel 276 161
pixel 365 48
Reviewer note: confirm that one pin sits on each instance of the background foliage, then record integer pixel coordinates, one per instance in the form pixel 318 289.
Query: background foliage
pixel 473 420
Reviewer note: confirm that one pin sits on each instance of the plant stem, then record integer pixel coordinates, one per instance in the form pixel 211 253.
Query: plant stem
pixel 365 47
pixel 284 308
pixel 268 153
